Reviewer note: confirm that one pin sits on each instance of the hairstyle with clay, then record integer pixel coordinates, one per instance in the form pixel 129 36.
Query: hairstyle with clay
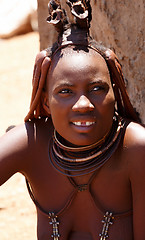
pixel 75 32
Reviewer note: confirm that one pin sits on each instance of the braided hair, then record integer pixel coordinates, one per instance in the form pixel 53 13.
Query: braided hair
pixel 76 32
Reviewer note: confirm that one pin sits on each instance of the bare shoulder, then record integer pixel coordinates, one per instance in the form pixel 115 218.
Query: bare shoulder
pixel 25 135
pixel 134 150
pixel 135 135
pixel 18 145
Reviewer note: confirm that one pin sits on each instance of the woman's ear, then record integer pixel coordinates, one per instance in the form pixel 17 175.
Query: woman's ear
pixel 45 104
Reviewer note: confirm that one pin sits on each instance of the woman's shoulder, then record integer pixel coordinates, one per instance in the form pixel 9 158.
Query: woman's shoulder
pixel 134 148
pixel 21 145
pixel 134 159
pixel 26 135
pixel 134 135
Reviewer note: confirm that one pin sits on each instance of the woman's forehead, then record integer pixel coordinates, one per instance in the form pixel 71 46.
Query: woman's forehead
pixel 78 64
pixel 77 56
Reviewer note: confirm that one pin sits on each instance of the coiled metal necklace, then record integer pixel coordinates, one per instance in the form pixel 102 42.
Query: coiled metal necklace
pixel 78 161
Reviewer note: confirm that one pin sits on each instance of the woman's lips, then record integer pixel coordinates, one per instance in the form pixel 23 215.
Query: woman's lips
pixel 83 126
pixel 83 123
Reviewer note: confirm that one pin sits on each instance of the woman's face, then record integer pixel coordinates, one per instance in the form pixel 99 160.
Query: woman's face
pixel 80 96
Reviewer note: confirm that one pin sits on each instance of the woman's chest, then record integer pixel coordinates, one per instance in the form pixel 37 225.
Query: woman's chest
pixel 85 222
pixel 75 208
pixel 109 187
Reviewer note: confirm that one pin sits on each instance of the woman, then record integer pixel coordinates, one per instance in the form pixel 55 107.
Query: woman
pixel 81 149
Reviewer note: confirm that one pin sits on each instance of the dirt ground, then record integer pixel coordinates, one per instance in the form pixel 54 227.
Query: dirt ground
pixel 17 55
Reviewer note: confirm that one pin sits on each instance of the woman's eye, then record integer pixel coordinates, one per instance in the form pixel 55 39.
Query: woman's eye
pixel 65 91
pixel 97 88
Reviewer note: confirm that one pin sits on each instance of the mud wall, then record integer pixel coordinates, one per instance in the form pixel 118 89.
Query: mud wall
pixel 120 25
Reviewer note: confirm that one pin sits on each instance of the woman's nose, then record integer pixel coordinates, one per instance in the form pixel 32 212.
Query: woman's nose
pixel 83 104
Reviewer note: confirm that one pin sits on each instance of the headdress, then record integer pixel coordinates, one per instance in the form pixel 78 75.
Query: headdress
pixel 75 31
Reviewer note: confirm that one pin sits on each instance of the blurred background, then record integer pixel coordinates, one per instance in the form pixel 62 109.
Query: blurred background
pixel 19 44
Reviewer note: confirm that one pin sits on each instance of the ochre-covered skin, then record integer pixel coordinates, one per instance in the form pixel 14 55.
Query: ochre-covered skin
pixel 118 185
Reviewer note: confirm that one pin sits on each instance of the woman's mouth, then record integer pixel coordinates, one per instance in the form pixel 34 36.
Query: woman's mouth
pixel 83 123
pixel 83 126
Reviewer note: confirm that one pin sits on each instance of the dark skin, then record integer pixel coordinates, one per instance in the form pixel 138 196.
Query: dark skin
pixel 118 186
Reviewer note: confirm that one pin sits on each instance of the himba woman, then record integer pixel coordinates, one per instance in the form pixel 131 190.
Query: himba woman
pixel 81 149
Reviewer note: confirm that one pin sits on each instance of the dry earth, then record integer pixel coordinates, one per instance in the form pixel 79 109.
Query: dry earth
pixel 17 212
